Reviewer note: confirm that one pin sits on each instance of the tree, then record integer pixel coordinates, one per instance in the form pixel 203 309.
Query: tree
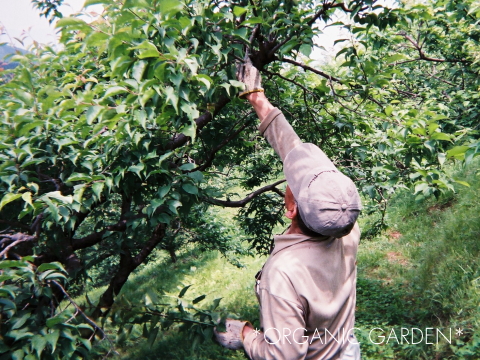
pixel 119 143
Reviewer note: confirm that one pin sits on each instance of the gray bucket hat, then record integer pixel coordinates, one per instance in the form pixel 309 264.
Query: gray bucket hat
pixel 327 200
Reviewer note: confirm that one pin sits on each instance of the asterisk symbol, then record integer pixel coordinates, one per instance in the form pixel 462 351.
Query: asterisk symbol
pixel 256 332
pixel 459 332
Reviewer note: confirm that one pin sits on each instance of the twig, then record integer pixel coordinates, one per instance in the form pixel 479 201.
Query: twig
pixel 306 67
pixel 90 321
pixel 422 54
pixel 24 238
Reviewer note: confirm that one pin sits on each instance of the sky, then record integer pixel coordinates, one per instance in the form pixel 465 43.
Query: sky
pixel 20 20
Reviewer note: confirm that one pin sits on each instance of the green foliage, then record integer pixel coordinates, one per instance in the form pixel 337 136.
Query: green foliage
pixel 49 8
pixel 30 328
pixel 422 273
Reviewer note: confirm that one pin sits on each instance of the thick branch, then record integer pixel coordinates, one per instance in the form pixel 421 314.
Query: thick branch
pixel 127 265
pixel 121 226
pixel 211 156
pixel 96 237
pixel 247 199
pixel 201 121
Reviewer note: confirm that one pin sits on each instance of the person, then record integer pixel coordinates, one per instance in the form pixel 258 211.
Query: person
pixel 307 287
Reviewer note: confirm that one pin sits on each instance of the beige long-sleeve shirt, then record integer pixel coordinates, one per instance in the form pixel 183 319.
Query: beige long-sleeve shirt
pixel 306 289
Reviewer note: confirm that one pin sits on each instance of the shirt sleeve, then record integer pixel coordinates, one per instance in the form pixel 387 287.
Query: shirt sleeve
pixel 283 336
pixel 279 133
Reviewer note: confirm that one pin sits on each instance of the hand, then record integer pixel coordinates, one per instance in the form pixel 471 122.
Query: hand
pixel 250 76
pixel 232 338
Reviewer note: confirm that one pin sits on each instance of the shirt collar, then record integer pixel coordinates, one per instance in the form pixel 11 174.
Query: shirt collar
pixel 286 240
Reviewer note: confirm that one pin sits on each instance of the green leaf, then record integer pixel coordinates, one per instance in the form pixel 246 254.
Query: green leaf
pixel 78 177
pixel 198 299
pixel 239 11
pixel 440 136
pixel 173 205
pixel 441 158
pixel 172 97
pixel 5 264
pixel 21 321
pixel 389 110
pixel 305 49
pixel 396 57
pixel 97 2
pixel 253 20
pixel 86 343
pixel 170 7
pixel 7 304
pixel 188 166
pixel 242 33
pixel 23 96
pixel 190 130
pixel 18 354
pixel 457 151
pixel 183 291
pixel 97 188
pixel 8 198
pixel 163 191
pixel 72 22
pixel 289 46
pixel 152 336
pixel 141 116
pixel 114 90
pixel 137 168
pixel 52 339
pixel 461 182
pixel 50 266
pixel 189 188
pixel 147 50
pixel 136 3
pixel 25 127
pixel 57 195
pixel 139 69
pixel 92 113
pixel 38 344
pixel 54 321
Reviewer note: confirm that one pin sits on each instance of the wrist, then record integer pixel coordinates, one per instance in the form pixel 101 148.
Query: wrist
pixel 256 97
pixel 247 329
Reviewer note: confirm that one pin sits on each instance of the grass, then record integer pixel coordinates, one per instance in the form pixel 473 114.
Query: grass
pixel 422 272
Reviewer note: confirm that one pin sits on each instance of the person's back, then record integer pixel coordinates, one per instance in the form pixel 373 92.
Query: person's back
pixel 318 277
pixel 306 290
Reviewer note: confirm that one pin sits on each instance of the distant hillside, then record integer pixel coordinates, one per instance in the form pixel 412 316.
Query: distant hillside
pixel 7 50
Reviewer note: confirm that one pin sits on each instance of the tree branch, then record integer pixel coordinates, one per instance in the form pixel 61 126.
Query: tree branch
pixel 90 321
pixel 17 239
pixel 422 55
pixel 201 121
pixel 211 156
pixel 306 67
pixel 247 199
pixel 125 268
pixel 121 226
pixel 15 224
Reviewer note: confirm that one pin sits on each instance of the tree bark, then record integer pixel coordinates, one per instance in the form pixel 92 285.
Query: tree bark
pixel 127 265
